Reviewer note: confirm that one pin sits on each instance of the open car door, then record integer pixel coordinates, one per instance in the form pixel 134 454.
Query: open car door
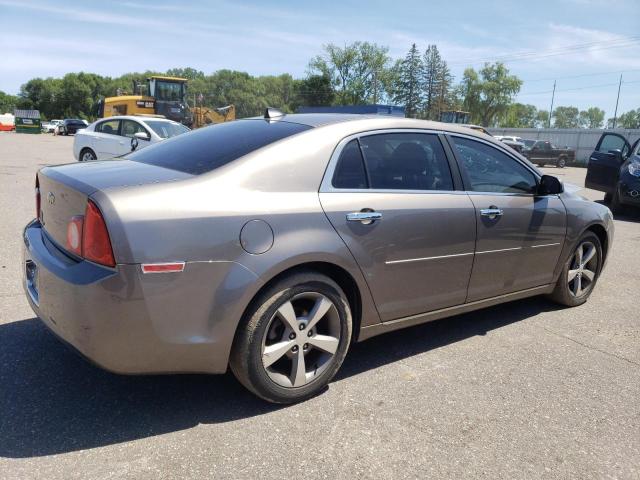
pixel 604 164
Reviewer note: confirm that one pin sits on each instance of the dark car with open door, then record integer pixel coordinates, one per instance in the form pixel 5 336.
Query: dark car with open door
pixel 614 168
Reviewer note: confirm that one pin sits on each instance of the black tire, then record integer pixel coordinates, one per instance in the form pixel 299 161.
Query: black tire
pixel 540 165
pixel 561 162
pixel 257 327
pixel 607 198
pixel 86 152
pixel 616 206
pixel 563 292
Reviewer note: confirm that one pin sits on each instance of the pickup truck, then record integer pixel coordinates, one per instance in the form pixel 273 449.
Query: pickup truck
pixel 544 152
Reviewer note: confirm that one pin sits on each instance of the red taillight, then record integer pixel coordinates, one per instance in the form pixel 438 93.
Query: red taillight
pixel 37 198
pixel 74 234
pixel 96 245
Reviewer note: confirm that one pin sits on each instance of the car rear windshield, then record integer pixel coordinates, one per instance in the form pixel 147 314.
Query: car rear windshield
pixel 208 148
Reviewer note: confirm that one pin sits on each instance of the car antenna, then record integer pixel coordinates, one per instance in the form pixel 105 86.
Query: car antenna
pixel 271 112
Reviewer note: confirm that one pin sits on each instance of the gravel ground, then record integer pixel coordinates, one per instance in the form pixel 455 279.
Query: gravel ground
pixel 523 390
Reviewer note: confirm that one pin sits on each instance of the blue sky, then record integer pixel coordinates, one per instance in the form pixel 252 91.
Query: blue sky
pixel 584 44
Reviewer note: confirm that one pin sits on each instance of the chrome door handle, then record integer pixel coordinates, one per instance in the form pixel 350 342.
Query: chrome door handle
pixel 364 217
pixel 491 212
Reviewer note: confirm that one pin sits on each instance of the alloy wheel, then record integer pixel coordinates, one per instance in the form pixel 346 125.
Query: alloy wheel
pixel 301 339
pixel 583 269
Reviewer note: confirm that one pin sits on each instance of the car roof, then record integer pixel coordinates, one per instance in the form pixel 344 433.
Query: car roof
pixel 376 121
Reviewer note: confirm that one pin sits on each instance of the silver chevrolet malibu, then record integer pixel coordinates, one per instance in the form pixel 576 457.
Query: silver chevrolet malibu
pixel 269 245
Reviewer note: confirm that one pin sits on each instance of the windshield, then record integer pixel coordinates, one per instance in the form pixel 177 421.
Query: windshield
pixel 167 129
pixel 169 91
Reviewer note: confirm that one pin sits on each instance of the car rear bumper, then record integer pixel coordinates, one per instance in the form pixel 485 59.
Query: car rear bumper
pixel 129 322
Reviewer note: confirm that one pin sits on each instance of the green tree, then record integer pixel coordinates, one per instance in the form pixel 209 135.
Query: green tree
pixel 519 115
pixel 630 119
pixel 488 95
pixel 358 71
pixel 188 73
pixel 542 119
pixel 315 91
pixel 408 83
pixel 566 117
pixel 8 103
pixel 437 81
pixel 591 118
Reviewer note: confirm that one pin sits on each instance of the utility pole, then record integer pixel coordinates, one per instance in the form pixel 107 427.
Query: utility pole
pixel 551 109
pixel 615 114
pixel 375 87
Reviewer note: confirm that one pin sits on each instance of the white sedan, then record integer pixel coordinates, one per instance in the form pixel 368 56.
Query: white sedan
pixel 114 136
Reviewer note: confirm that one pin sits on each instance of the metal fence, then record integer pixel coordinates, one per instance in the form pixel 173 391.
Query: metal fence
pixel 582 140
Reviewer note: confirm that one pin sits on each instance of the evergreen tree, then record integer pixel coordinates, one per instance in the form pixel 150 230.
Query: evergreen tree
pixel 433 80
pixel 408 91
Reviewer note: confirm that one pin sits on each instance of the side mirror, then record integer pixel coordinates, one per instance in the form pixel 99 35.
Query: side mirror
pixel 550 185
pixel 142 136
pixel 136 138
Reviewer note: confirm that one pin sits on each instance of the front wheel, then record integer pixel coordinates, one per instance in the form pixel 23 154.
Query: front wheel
pixel 293 339
pixel 580 272
pixel 562 162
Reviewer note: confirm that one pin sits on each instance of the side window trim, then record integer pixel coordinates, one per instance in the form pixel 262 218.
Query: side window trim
pixel 327 180
pixel 465 178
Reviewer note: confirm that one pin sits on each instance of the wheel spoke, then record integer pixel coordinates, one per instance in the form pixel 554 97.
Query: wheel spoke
pixel 298 370
pixel 288 315
pixel 572 274
pixel 577 286
pixel 588 274
pixel 322 306
pixel 325 343
pixel 579 256
pixel 273 353
pixel 588 255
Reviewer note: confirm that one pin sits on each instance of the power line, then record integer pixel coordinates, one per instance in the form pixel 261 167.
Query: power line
pixel 548 79
pixel 622 42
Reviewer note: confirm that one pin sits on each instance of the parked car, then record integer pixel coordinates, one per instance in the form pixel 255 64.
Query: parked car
pixel 614 168
pixel 514 142
pixel 543 152
pixel 50 126
pixel 270 245
pixel 114 136
pixel 69 126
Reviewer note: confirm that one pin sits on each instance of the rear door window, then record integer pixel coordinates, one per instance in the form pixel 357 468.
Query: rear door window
pixel 406 161
pixel 208 148
pixel 110 127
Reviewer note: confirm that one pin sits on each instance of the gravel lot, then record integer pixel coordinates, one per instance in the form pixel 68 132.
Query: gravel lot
pixel 523 390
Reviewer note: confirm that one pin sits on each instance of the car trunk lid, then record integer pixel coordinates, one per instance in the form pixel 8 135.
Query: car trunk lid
pixel 65 189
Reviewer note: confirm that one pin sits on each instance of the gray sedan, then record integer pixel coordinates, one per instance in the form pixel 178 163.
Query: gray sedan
pixel 269 245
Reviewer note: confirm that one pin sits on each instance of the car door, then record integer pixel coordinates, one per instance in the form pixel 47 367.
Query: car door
pixel 128 130
pixel 604 164
pixel 400 209
pixel 519 234
pixel 106 142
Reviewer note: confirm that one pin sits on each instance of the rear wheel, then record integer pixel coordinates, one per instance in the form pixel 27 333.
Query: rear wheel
pixel 607 198
pixel 562 162
pixel 580 272
pixel 87 155
pixel 293 339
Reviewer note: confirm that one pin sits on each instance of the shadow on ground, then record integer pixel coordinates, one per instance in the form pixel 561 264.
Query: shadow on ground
pixel 52 401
